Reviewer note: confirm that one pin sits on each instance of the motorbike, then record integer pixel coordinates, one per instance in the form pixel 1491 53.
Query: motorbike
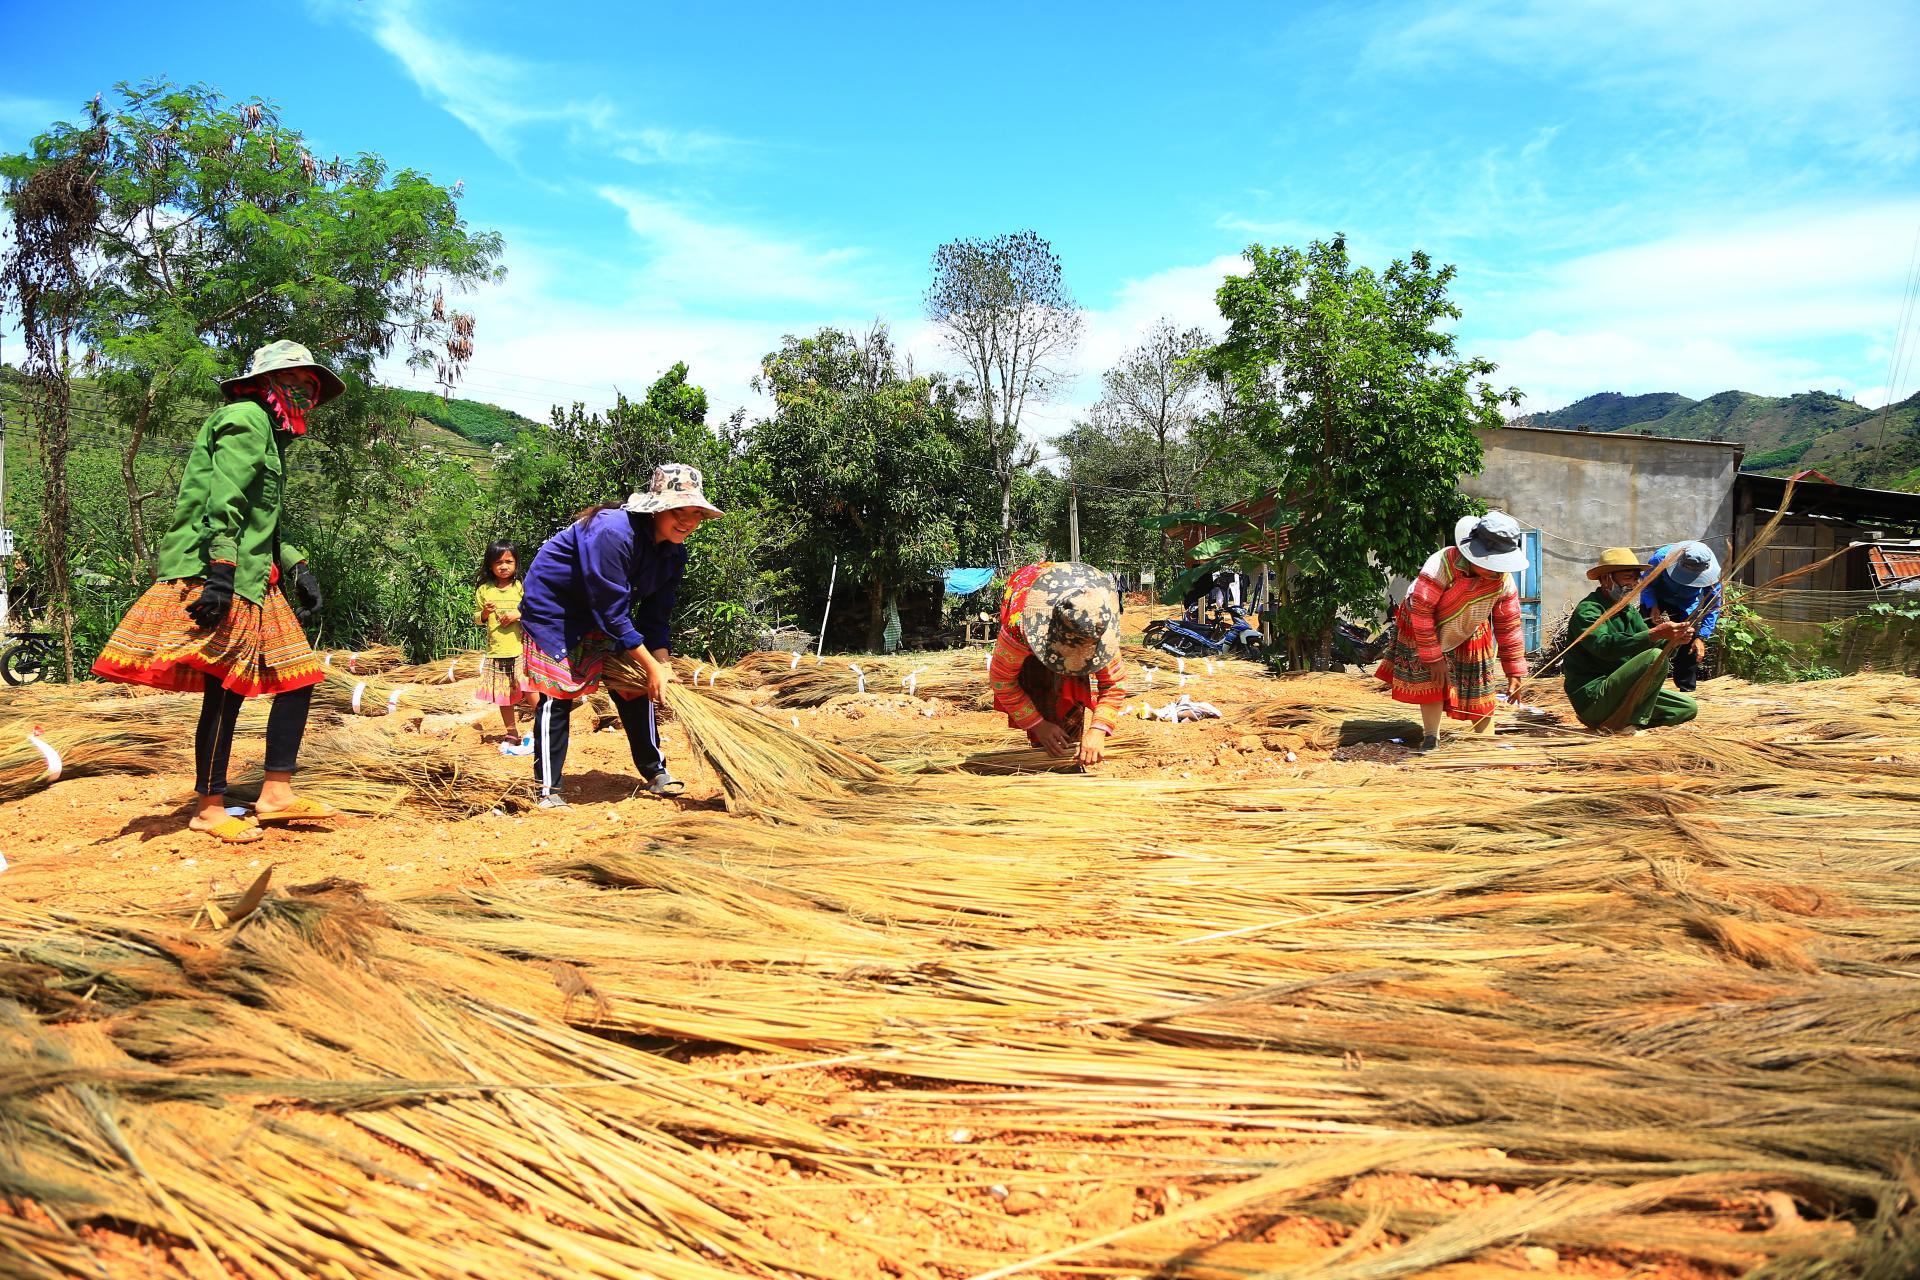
pixel 31 657
pixel 1192 637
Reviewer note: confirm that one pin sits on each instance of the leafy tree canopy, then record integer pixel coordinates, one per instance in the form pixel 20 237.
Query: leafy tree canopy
pixel 1349 383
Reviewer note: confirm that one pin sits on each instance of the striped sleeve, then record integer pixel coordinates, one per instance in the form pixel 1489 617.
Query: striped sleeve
pixel 1010 652
pixel 1508 633
pixel 1110 691
pixel 1422 606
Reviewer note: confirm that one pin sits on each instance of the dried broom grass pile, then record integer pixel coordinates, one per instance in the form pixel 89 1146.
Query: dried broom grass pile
pixel 1646 1001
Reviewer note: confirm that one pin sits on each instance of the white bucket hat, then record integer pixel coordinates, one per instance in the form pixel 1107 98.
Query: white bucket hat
pixel 674 485
pixel 1492 541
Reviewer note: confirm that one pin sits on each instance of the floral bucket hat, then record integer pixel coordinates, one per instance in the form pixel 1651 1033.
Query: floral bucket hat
pixel 673 485
pixel 1070 604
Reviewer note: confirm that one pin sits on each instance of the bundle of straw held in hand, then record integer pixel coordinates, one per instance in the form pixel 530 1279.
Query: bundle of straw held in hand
pixel 763 766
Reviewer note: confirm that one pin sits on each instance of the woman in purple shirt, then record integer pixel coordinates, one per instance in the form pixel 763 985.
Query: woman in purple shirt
pixel 598 598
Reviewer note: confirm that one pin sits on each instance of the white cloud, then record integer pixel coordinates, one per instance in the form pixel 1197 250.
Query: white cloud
pixel 501 98
pixel 1782 302
pixel 1842 72
pixel 691 257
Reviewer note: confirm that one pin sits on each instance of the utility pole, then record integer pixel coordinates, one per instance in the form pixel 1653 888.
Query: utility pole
pixel 1073 524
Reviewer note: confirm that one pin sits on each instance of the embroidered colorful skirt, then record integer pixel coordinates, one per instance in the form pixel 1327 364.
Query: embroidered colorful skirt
pixel 256 649
pixel 1473 671
pixel 578 673
pixel 500 682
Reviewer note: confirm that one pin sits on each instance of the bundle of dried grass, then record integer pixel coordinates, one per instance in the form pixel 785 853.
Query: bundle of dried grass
pixel 350 695
pixel 363 769
pixel 370 661
pixel 83 749
pixel 455 668
pixel 763 766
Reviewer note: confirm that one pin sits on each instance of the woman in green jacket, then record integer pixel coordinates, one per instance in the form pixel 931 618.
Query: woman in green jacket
pixel 217 619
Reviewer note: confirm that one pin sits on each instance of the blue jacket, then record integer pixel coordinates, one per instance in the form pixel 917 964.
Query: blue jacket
pixel 1679 602
pixel 607 575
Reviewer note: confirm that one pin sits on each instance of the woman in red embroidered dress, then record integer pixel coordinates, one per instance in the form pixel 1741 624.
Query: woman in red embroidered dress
pixel 1462 612
pixel 1056 667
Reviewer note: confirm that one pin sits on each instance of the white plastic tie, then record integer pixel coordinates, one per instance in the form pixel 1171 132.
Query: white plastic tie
pixel 357 691
pixel 47 753
pixel 796 721
pixel 450 675
pixel 1182 663
pixel 696 674
pixel 1150 671
pixel 796 660
pixel 1209 666
pixel 1183 680
pixel 351 659
pixel 326 660
pixel 393 700
pixel 858 675
pixel 913 681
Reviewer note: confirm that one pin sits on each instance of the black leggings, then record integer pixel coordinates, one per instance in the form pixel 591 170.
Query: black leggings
pixel 552 728
pixel 213 736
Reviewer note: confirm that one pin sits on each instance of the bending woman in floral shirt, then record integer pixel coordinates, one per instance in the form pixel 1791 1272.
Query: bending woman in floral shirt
pixel 1462 611
pixel 1056 668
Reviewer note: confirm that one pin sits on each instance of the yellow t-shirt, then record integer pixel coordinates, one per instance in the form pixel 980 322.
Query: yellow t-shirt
pixel 503 638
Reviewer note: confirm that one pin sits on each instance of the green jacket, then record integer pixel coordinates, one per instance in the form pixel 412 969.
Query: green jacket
pixel 229 506
pixel 1606 650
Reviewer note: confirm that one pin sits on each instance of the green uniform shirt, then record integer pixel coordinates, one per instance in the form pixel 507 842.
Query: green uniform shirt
pixel 1606 650
pixel 229 505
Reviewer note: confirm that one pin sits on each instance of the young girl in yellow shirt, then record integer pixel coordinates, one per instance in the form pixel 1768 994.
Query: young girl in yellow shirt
pixel 496 606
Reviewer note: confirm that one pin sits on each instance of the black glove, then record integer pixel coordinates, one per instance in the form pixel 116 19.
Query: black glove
pixel 307 596
pixel 215 598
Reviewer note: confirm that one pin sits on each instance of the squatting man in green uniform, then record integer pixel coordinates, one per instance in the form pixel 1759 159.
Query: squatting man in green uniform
pixel 1605 668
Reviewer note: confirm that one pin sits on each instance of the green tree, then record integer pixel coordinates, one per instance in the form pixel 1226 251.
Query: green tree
pixel 214 230
pixel 1003 307
pixel 1347 380
pixel 868 454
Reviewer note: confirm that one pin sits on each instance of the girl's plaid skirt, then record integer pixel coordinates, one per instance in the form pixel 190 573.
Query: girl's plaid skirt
pixel 1472 674
pixel 579 673
pixel 256 649
pixel 500 682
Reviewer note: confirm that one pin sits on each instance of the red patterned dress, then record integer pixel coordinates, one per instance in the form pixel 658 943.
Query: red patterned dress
pixel 1466 619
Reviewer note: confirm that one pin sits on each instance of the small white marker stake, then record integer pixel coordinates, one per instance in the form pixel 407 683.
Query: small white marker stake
pixel 47 753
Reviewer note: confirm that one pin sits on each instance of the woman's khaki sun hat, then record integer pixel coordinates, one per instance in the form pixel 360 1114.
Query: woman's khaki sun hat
pixel 280 357
pixel 674 485
pixel 1614 560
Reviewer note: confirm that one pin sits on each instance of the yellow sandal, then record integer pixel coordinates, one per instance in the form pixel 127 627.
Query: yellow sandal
pixel 301 810
pixel 232 830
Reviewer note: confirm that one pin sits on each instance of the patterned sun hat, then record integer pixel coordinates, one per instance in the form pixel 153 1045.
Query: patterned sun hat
pixel 1070 603
pixel 674 485
pixel 282 355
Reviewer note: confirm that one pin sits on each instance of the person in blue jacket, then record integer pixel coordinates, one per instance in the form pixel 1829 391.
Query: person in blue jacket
pixel 596 610
pixel 1673 596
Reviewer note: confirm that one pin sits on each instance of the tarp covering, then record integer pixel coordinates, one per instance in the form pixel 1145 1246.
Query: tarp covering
pixel 964 582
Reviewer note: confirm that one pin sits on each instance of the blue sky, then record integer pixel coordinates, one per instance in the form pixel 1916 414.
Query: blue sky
pixel 1639 196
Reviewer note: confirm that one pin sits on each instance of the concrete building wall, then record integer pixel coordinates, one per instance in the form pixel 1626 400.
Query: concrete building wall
pixel 1588 490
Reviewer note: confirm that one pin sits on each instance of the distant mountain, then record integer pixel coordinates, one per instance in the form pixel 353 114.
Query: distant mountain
pixel 1781 434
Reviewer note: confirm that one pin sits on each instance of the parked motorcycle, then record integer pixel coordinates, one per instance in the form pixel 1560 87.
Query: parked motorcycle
pixel 1190 637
